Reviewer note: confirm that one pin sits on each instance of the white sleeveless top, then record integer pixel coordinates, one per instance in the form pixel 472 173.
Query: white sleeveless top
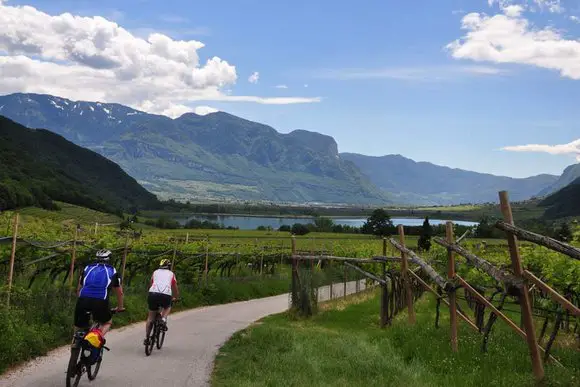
pixel 161 281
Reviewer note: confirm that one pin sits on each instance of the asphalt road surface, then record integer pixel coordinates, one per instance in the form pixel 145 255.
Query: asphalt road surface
pixel 187 356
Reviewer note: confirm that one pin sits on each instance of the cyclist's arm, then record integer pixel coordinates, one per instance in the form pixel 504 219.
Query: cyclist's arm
pixel 80 284
pixel 174 287
pixel 118 289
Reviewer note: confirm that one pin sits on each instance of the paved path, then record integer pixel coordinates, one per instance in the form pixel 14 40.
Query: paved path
pixel 187 356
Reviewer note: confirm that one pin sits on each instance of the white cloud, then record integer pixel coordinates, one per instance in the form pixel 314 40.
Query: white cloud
pixel 254 78
pixel 572 148
pixel 281 87
pixel 513 10
pixel 513 39
pixel 204 110
pixel 92 58
pixel 554 6
pixel 306 85
pixel 424 74
pixel 575 19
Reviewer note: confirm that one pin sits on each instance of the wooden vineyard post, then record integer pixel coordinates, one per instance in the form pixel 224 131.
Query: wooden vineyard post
pixel 205 271
pixel 452 293
pixel 261 260
pixel 384 290
pixel 125 252
pixel 96 228
pixel 406 279
pixel 186 238
pixel 174 255
pixel 524 296
pixel 294 273
pixel 12 256
pixel 345 280
pixel 73 257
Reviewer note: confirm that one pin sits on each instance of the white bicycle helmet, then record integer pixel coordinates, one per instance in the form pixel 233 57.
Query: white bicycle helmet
pixel 103 255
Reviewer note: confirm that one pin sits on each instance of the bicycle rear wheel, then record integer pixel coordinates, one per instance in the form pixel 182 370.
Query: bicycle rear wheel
pixel 160 337
pixel 152 336
pixel 92 372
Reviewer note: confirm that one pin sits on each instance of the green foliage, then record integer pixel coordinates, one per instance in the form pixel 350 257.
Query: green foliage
pixel 323 224
pixel 564 203
pixel 424 242
pixel 300 229
pixel 379 224
pixel 564 234
pixel 38 167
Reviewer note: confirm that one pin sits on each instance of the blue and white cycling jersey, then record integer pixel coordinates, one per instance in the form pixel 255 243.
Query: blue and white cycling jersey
pixel 97 279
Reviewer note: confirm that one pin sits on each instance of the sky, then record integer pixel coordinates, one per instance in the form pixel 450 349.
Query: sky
pixel 485 85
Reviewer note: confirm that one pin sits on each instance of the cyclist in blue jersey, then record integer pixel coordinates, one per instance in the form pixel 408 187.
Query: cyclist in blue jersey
pixel 95 284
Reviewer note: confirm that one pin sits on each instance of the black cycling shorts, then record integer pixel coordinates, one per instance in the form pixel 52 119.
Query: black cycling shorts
pixel 98 308
pixel 158 300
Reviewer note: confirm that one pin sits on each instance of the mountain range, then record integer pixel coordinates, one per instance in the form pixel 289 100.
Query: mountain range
pixel 221 156
pixel 39 166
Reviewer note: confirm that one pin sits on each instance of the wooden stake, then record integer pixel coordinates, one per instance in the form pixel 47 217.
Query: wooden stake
pixel 12 256
pixel 406 279
pixel 452 294
pixel 294 273
pixel 125 252
pixel 524 296
pixel 73 258
pixel 384 291
pixel 206 259
pixel 174 255
pixel 186 238
pixel 345 280
pixel 96 228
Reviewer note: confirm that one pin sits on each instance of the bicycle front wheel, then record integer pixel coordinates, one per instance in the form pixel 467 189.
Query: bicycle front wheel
pixel 92 372
pixel 152 336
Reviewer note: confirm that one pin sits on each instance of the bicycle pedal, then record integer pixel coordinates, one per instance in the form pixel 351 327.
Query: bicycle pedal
pixel 107 348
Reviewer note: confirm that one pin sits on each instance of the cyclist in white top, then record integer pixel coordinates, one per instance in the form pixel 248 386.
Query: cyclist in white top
pixel 163 290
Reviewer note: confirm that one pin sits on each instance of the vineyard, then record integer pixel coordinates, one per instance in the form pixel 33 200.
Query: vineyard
pixel 536 284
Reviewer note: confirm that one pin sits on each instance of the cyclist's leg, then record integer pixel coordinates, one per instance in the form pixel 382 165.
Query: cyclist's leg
pixel 166 304
pixel 153 305
pixel 101 310
pixel 82 314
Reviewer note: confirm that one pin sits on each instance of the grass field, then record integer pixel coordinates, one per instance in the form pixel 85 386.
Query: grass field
pixel 344 346
pixel 70 212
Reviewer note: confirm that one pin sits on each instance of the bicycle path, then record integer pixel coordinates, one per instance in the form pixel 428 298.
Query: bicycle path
pixel 186 359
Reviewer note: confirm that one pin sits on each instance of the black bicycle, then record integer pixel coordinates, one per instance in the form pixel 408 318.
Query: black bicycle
pixel 158 331
pixel 83 358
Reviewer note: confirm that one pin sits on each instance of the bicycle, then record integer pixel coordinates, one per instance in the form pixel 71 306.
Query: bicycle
pixel 158 331
pixel 80 347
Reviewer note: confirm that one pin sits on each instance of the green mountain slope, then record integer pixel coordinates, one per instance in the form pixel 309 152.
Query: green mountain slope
pixel 38 166
pixel 564 203
pixel 570 174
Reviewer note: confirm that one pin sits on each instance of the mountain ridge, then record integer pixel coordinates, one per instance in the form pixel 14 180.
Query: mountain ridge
pixel 221 156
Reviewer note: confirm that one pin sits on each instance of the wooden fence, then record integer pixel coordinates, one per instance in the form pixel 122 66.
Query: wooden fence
pixel 414 272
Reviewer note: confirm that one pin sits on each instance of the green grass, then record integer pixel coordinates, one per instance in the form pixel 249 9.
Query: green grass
pixel 344 346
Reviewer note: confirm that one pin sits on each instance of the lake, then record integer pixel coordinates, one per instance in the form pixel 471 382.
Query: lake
pixel 253 222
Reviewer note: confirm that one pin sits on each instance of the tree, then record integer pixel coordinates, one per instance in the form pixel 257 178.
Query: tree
pixel 300 229
pixel 285 228
pixel 424 242
pixel 323 224
pixel 379 224
pixel 564 233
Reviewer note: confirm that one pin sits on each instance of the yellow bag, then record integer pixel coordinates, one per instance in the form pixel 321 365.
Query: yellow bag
pixel 95 338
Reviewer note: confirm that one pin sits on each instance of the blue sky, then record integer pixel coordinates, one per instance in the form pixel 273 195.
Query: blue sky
pixel 378 76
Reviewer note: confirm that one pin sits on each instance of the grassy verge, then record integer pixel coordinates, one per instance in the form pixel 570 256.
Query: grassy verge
pixel 344 346
pixel 39 321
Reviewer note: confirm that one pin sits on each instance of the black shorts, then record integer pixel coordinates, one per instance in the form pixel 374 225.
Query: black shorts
pixel 158 300
pixel 99 309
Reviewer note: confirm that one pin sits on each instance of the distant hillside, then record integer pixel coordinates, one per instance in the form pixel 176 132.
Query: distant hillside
pixel 217 156
pixel 426 182
pixel 38 166
pixel 570 174
pixel 564 203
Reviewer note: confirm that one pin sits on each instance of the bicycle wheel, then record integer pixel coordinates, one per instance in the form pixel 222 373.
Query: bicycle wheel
pixel 149 347
pixel 92 372
pixel 74 370
pixel 160 337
